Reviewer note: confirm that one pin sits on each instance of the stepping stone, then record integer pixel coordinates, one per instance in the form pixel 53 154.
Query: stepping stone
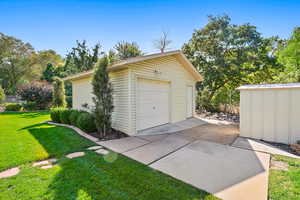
pixel 94 148
pixel 75 155
pixel 10 172
pixel 44 162
pixel 53 160
pixel 47 166
pixel 102 152
pixel 40 163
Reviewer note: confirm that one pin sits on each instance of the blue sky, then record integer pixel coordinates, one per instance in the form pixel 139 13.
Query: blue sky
pixel 58 24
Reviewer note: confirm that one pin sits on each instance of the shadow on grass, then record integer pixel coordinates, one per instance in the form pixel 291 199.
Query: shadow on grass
pixel 33 114
pixel 57 141
pixel 25 114
pixel 32 126
pixel 91 177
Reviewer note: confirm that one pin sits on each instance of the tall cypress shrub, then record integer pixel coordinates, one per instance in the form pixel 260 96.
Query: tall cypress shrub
pixel 59 98
pixel 2 94
pixel 103 98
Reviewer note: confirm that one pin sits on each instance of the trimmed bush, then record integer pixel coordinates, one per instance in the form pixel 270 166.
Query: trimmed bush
pixel 30 106
pixel 55 114
pixel 65 116
pixel 2 94
pixel 86 122
pixel 74 116
pixel 59 98
pixel 13 107
pixel 69 101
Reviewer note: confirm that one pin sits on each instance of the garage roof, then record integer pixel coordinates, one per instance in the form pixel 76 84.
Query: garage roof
pixel 269 86
pixel 122 64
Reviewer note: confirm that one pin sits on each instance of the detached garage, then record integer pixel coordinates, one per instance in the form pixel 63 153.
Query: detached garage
pixel 270 112
pixel 149 91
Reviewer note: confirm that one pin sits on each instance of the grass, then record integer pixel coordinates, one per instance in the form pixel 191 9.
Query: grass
pixel 92 176
pixel 285 184
pixel 23 138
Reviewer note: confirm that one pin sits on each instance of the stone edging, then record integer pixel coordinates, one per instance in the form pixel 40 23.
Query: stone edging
pixel 77 130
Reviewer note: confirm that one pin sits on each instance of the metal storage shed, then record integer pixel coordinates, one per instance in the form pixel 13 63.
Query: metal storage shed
pixel 270 112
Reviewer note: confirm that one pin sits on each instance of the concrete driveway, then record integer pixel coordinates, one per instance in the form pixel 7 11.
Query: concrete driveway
pixel 201 156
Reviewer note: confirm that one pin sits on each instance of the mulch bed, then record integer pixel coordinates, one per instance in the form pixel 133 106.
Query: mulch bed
pixel 113 135
pixel 219 116
pixel 284 147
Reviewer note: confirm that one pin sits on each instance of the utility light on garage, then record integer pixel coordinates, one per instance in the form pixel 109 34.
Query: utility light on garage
pixel 156 71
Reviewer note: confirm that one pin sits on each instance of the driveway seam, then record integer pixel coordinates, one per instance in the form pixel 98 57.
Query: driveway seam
pixel 141 138
pixel 171 152
pixel 149 142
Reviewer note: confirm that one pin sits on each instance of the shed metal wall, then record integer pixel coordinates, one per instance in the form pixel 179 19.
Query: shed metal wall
pixel 270 114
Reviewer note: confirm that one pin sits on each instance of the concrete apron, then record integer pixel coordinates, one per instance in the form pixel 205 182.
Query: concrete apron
pixel 260 146
pixel 172 127
pixel 227 172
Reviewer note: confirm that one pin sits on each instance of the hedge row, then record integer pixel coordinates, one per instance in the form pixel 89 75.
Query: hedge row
pixel 13 107
pixel 29 106
pixel 81 119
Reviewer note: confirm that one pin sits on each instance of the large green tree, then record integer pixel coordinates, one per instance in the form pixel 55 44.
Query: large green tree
pixel 81 58
pixel 15 62
pixel 42 59
pixel 226 54
pixel 126 50
pixel 289 57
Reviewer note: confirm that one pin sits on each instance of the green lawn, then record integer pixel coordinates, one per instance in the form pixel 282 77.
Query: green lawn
pixel 23 139
pixel 285 184
pixel 89 177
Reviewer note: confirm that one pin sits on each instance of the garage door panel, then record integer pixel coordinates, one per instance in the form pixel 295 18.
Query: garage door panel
pixel 146 97
pixel 153 103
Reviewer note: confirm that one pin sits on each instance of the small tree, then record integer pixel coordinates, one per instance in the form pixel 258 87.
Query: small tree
pixel 163 42
pixel 59 99
pixel 39 92
pixel 103 99
pixel 49 73
pixel 2 94
pixel 127 50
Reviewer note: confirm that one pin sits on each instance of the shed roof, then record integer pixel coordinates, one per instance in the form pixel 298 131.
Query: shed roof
pixel 121 64
pixel 269 86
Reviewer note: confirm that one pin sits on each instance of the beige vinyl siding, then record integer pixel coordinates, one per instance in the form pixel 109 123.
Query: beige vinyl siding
pixel 125 79
pixel 170 70
pixel 270 114
pixel 82 93
pixel 120 119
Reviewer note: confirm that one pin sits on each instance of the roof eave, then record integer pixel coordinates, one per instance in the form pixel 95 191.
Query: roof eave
pixel 193 70
pixel 124 64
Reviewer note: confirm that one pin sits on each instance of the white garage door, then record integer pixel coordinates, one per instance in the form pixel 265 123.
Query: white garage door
pixel 152 103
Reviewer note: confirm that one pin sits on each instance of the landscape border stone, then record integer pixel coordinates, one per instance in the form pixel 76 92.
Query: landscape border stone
pixel 77 130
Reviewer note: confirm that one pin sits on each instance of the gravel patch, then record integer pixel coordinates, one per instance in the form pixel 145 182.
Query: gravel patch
pixel 279 165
